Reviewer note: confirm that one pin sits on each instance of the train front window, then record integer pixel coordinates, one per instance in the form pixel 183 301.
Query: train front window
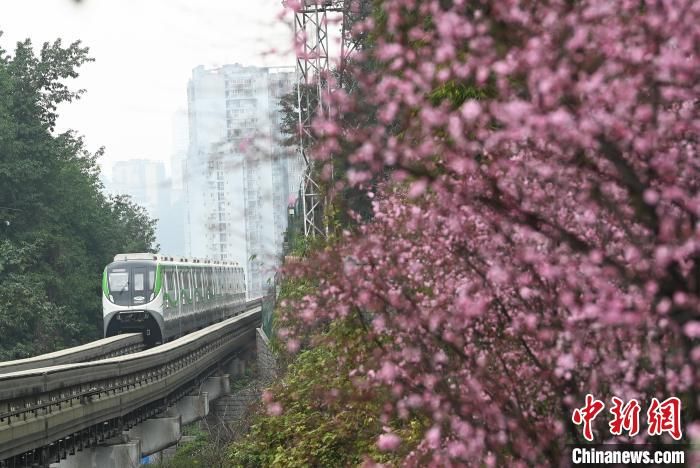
pixel 119 280
pixel 131 284
pixel 119 285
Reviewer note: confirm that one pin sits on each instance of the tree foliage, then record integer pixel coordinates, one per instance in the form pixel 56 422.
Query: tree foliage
pixel 534 233
pixel 319 416
pixel 58 230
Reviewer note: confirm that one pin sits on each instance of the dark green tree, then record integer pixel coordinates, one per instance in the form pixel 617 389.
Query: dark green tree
pixel 57 229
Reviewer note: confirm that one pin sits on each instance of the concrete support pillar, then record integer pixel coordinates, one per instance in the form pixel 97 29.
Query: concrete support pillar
pixel 190 408
pixel 216 386
pixel 125 454
pixel 156 434
pixel 231 368
pixel 236 367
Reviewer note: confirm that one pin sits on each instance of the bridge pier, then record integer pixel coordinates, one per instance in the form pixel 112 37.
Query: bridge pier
pixel 156 434
pixel 236 367
pixel 228 412
pixel 153 435
pixel 126 453
pixel 190 408
pixel 216 386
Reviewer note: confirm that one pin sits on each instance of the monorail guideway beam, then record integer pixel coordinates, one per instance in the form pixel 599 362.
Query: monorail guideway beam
pixel 93 351
pixel 48 412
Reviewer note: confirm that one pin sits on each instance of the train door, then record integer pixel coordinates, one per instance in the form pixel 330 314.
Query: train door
pixel 178 283
pixel 222 292
pixel 171 300
pixel 215 286
pixel 140 286
pixel 196 301
pixel 143 281
pixel 189 307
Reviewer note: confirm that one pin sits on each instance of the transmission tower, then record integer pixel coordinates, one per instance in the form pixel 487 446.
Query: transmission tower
pixel 313 72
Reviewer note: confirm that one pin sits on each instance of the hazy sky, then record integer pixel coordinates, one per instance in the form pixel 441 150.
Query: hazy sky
pixel 145 51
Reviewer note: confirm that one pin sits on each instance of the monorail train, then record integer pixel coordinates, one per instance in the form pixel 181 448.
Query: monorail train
pixel 166 298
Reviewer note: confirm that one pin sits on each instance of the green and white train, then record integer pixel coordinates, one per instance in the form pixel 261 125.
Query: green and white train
pixel 165 298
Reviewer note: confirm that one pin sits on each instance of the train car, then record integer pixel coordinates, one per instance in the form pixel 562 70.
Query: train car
pixel 166 297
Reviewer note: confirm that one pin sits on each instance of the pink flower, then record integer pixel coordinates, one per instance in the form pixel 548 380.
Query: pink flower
pixel 470 110
pixel 433 437
pixel 267 396
pixel 533 218
pixel 274 409
pixel 417 188
pixel 388 442
pixel 692 329
pixel 293 345
pixel 388 372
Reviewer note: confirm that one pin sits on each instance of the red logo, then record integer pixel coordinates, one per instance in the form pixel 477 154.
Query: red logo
pixel 625 417
pixel 587 414
pixel 665 417
pixel 662 417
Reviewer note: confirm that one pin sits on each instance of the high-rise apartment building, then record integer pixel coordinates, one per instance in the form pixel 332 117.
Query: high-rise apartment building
pixel 238 176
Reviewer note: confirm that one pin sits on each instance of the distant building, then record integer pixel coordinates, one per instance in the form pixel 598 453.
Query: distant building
pixel 180 126
pixel 177 213
pixel 145 181
pixel 238 177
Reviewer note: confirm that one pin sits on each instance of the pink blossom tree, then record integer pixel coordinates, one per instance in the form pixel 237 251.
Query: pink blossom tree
pixel 536 237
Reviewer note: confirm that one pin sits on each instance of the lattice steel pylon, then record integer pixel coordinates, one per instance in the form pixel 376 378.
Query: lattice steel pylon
pixel 313 72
